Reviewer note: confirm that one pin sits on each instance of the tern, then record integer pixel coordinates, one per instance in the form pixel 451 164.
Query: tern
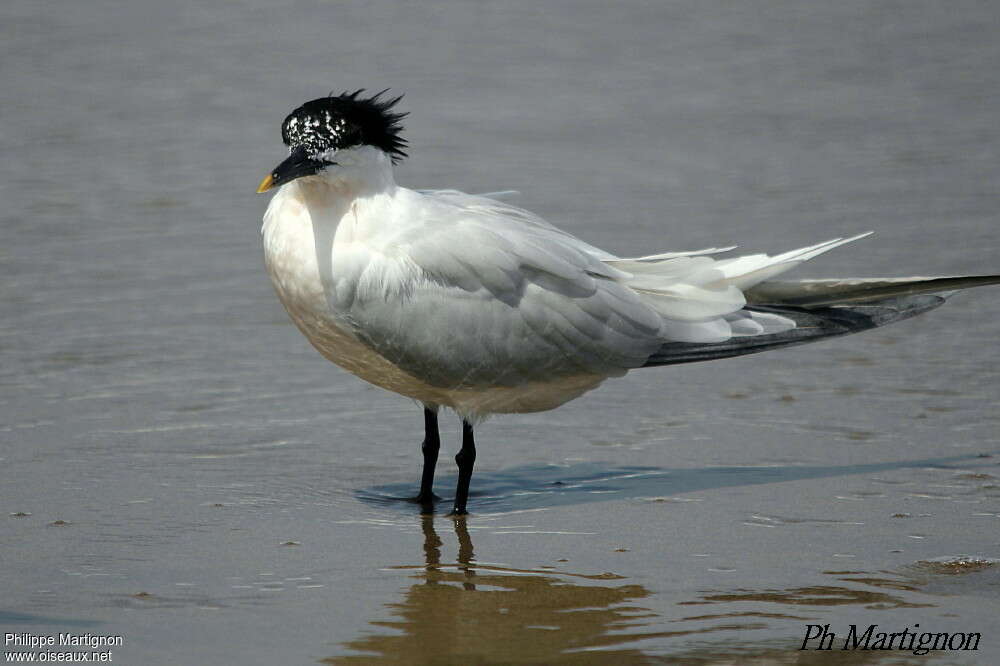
pixel 467 302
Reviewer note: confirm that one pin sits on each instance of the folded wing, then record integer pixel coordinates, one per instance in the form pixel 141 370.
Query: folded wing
pixel 494 299
pixel 491 295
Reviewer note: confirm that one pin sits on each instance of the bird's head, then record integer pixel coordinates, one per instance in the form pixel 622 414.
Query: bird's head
pixel 319 131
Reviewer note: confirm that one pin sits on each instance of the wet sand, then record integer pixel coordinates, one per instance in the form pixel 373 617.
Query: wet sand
pixel 179 468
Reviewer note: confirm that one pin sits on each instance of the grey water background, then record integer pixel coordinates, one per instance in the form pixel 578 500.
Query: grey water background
pixel 178 467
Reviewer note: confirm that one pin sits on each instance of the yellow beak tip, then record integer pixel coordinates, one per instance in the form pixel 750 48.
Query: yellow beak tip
pixel 265 184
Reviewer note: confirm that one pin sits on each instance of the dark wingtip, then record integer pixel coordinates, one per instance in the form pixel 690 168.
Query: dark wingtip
pixel 811 325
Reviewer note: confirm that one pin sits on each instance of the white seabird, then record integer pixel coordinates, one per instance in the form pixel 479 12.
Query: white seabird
pixel 466 302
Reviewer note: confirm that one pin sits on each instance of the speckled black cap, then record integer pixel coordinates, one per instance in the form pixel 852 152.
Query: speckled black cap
pixel 343 121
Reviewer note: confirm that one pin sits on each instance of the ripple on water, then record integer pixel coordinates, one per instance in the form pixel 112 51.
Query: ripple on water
pixel 953 565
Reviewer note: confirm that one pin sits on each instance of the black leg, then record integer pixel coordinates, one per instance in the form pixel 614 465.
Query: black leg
pixel 466 460
pixel 430 448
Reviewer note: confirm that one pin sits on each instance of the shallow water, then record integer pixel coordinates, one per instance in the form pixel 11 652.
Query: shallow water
pixel 179 468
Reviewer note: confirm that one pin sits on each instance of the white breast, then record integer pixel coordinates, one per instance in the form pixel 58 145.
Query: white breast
pixel 290 254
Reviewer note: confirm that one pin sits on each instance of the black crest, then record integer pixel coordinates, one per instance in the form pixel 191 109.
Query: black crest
pixel 346 120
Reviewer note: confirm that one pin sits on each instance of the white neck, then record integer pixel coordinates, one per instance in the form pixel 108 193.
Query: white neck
pixel 359 173
pixel 346 202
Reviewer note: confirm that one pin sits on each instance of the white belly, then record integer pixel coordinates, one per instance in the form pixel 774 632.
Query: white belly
pixel 342 348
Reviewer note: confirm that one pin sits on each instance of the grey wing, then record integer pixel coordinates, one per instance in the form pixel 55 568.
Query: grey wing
pixel 491 306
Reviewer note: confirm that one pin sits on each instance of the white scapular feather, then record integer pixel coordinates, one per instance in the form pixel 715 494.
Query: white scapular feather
pixel 746 323
pixel 685 253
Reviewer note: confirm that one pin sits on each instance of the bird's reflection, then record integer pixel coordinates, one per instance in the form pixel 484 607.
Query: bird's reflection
pixel 466 612
pixel 470 613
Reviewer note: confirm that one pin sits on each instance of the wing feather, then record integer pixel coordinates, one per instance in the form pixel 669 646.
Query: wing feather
pixel 493 302
pixel 492 295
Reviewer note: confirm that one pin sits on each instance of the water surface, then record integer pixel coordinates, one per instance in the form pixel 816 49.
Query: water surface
pixel 178 467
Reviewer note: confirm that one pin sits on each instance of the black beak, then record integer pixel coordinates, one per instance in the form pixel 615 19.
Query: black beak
pixel 297 165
